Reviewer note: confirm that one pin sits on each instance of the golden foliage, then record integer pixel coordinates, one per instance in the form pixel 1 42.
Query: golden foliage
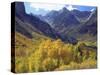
pixel 51 55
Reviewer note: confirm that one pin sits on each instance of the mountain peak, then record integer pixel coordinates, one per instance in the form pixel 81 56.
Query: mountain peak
pixel 19 6
pixel 64 9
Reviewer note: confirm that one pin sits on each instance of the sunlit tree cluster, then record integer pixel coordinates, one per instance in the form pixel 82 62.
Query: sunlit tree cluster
pixel 53 55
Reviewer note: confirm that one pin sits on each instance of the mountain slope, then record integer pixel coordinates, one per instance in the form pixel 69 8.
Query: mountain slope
pixel 30 21
pixel 77 24
pixel 60 19
pixel 81 15
pixel 26 24
pixel 90 27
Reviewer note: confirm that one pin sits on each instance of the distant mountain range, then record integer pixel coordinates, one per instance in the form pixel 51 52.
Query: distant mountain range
pixel 73 23
pixel 69 26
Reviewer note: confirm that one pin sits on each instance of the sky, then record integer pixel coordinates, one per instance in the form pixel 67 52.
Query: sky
pixel 42 9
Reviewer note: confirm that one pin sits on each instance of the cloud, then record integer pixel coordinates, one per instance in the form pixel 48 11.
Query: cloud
pixel 46 6
pixel 70 7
